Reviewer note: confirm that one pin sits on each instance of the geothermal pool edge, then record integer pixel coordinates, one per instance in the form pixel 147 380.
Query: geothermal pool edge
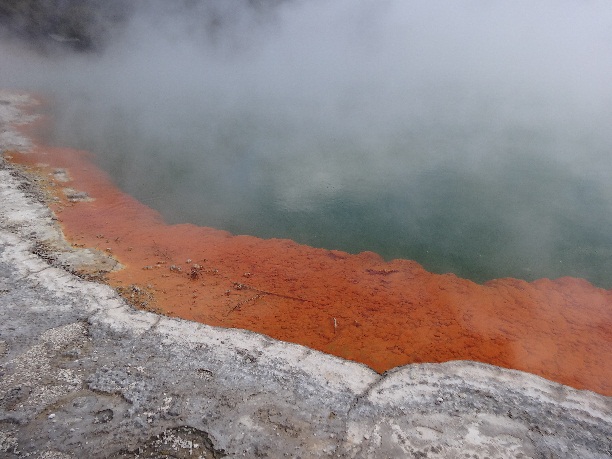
pixel 83 374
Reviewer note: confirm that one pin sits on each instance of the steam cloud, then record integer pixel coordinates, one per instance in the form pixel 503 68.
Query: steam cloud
pixel 472 136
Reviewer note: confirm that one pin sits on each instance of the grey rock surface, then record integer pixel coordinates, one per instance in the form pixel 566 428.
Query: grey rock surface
pixel 84 375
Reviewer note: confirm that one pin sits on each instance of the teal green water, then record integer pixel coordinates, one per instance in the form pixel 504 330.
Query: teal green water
pixel 521 209
pixel 472 138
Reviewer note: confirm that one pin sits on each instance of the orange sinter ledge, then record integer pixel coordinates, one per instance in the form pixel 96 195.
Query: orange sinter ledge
pixel 359 307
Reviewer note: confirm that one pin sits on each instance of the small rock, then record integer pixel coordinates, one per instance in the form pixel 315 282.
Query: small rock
pixel 61 175
pixel 104 416
pixel 76 196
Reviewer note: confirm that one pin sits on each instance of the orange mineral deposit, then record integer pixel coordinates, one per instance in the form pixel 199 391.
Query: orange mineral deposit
pixel 358 307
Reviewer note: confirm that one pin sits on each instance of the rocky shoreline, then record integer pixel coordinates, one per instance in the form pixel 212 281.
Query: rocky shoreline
pixel 83 374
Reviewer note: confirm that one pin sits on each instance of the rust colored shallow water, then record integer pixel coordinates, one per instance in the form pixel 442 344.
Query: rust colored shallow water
pixel 358 307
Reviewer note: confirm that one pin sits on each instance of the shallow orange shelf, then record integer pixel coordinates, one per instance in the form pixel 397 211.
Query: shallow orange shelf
pixel 358 307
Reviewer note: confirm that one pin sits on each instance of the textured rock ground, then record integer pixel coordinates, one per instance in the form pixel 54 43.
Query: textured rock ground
pixel 83 374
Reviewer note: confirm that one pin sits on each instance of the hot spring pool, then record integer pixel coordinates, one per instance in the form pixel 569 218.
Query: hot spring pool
pixel 474 140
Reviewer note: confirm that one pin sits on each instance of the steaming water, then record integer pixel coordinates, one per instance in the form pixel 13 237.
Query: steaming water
pixel 473 137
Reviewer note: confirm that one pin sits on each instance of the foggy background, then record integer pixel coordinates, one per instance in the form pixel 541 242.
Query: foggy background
pixel 474 137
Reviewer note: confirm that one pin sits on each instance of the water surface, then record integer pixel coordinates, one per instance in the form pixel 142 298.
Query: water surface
pixel 473 138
